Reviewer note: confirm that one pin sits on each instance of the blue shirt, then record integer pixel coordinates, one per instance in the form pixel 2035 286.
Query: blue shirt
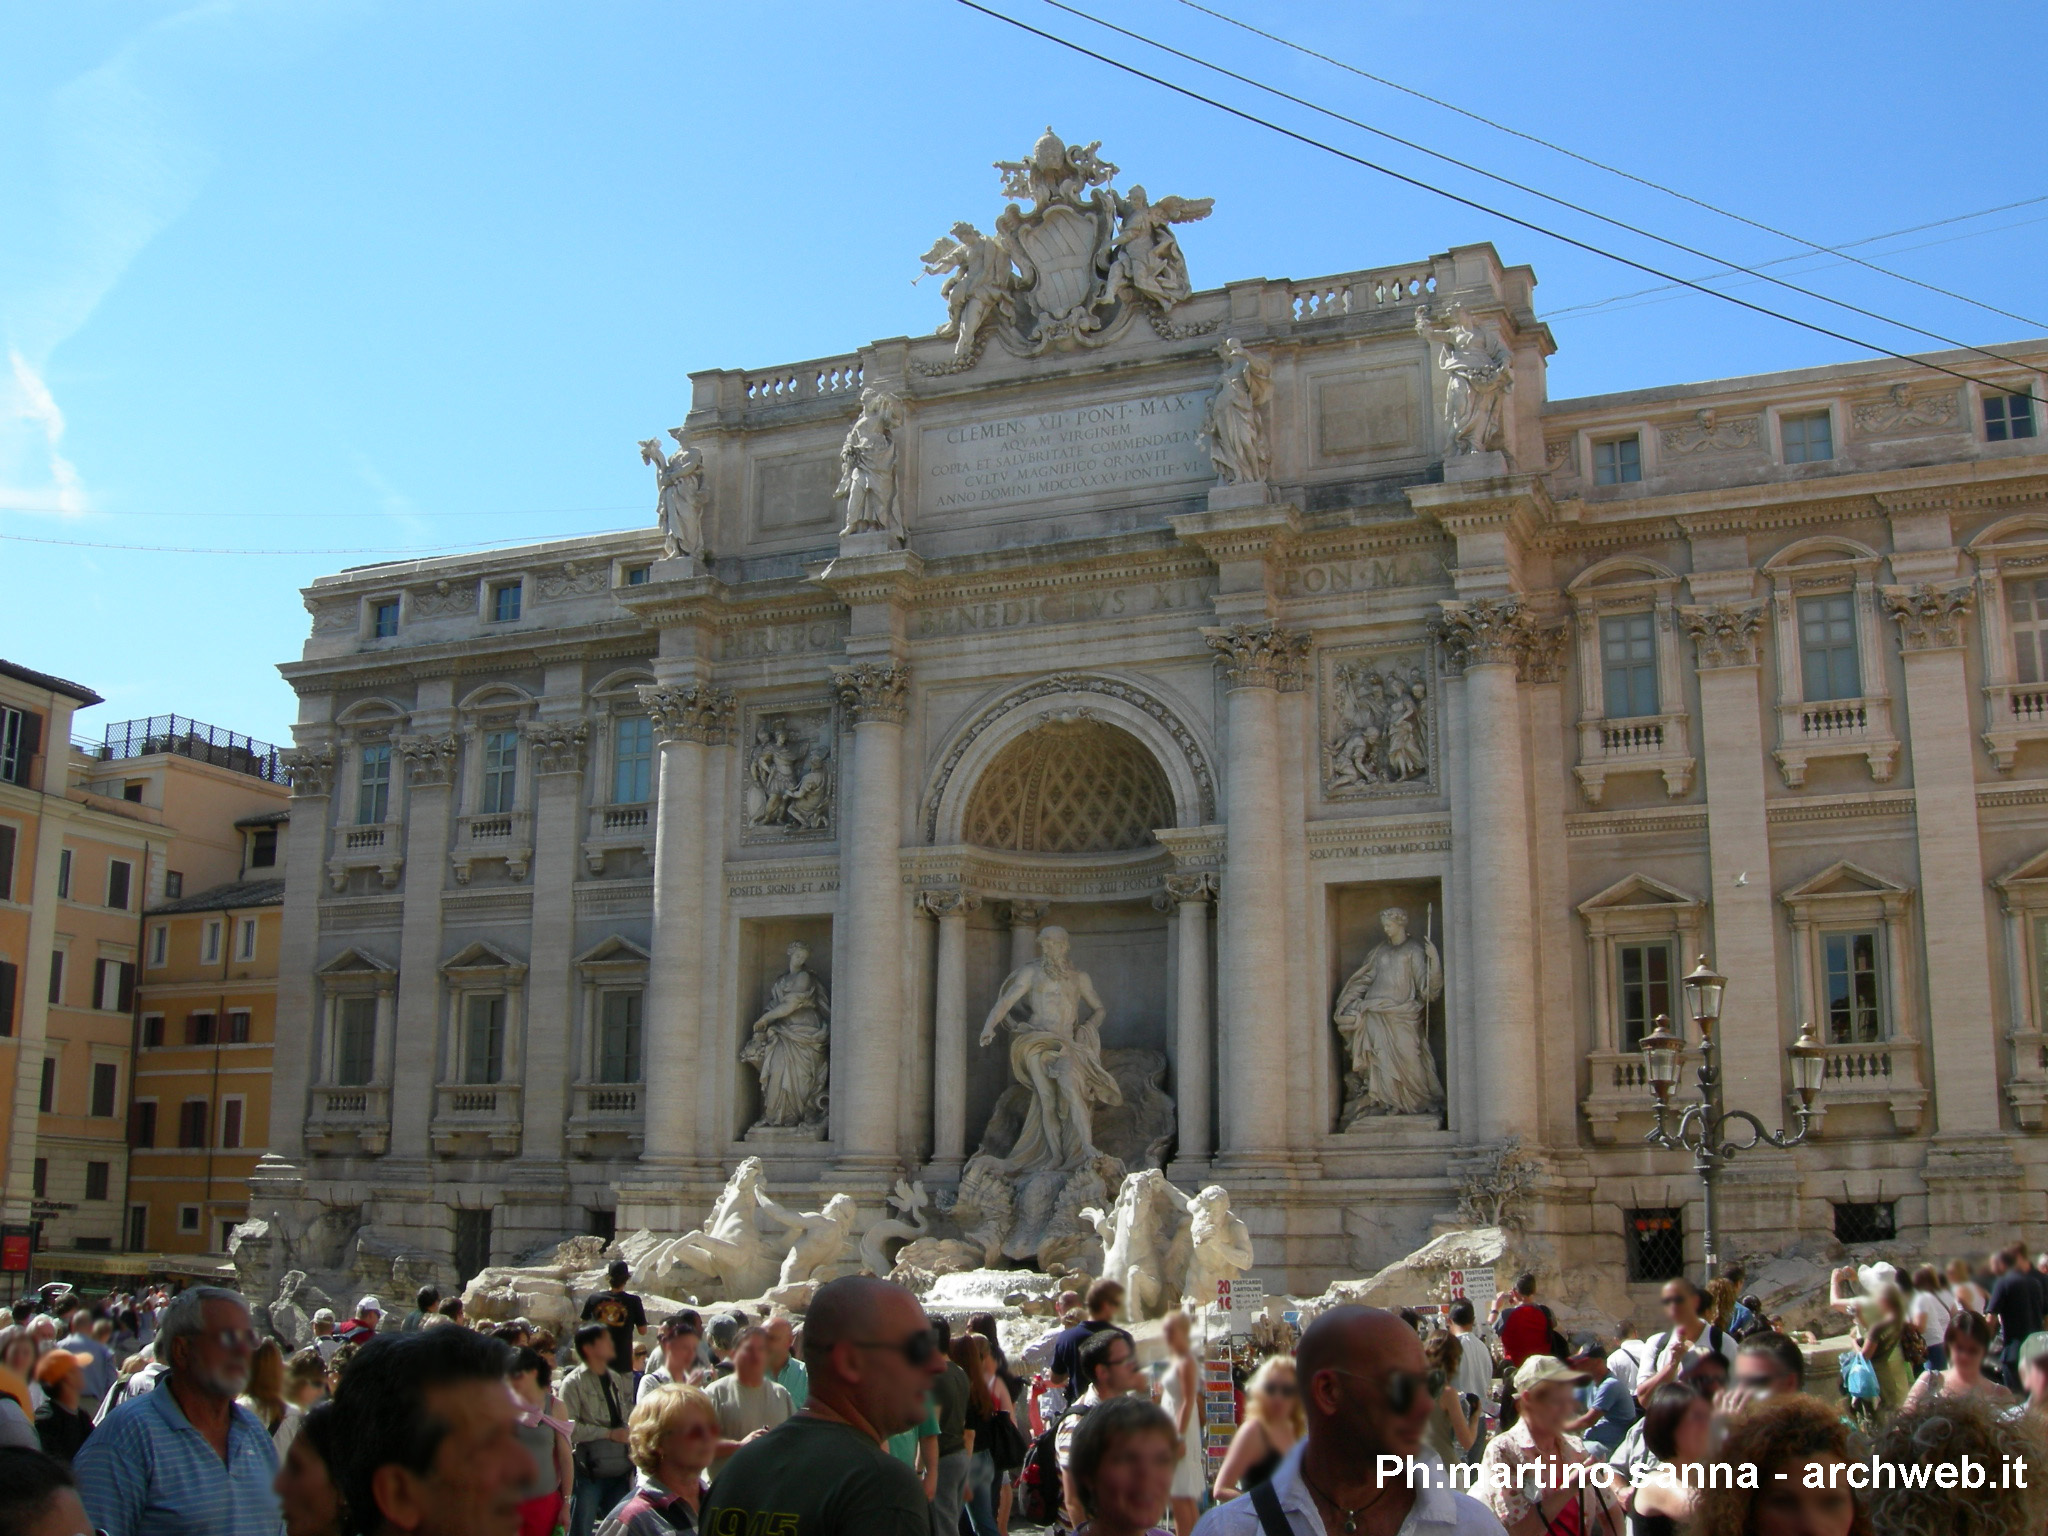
pixel 1617 1412
pixel 147 1472
pixel 794 1380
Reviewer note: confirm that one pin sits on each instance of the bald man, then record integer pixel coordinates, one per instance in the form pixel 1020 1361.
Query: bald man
pixel 1366 1390
pixel 870 1358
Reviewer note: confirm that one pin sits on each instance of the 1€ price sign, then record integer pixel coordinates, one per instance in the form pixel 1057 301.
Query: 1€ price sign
pixel 1240 1295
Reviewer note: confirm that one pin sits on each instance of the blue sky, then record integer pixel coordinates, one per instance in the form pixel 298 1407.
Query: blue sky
pixel 361 275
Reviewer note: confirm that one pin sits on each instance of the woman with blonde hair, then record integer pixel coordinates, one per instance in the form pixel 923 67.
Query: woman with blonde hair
pixel 1180 1395
pixel 264 1396
pixel 671 1438
pixel 1273 1422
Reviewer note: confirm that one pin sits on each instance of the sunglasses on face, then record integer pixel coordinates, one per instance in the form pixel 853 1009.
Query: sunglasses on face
pixel 920 1349
pixel 1401 1390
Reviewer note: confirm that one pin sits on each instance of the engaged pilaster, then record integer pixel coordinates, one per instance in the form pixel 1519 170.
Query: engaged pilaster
pixel 556 750
pixel 430 760
pixel 949 1026
pixel 1189 895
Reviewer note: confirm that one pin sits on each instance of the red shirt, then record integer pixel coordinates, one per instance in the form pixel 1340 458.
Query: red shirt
pixel 1524 1331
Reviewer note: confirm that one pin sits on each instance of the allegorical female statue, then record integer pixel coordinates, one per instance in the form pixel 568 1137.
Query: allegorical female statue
pixel 789 1046
pixel 1057 1055
pixel 1477 378
pixel 867 466
pixel 1383 1015
pixel 679 479
pixel 1234 425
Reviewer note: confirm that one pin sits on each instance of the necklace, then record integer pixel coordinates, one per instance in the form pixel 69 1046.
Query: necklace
pixel 1348 1516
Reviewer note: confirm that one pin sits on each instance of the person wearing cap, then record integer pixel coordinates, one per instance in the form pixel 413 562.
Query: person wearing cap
pixel 1609 1407
pixel 63 1422
pixel 1530 1502
pixel 364 1325
pixel 325 1339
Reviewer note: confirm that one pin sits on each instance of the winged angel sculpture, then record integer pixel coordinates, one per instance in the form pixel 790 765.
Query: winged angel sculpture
pixel 1074 270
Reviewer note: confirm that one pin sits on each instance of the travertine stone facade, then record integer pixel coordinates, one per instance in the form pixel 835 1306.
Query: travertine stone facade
pixel 1585 688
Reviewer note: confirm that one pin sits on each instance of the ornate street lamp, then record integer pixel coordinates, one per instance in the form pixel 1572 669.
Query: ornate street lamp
pixel 1703 1125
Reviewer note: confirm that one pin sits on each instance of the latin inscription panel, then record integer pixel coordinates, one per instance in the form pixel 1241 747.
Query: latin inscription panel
pixel 1115 445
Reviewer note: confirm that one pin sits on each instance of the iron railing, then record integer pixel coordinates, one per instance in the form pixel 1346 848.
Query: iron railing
pixel 182 736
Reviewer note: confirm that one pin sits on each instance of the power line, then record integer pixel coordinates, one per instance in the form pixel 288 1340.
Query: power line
pixel 1519 186
pixel 180 549
pixel 1601 165
pixel 1459 198
pixel 22 506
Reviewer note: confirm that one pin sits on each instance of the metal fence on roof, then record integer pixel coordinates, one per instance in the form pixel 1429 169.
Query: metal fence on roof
pixel 182 736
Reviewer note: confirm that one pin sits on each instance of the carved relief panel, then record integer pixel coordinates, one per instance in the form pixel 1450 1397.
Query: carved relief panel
pixel 788 774
pixel 1378 721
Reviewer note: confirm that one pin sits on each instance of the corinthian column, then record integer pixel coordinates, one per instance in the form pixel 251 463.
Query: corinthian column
pixel 1259 660
pixel 869 1016
pixel 690 719
pixel 429 806
pixel 949 1026
pixel 291 1074
pixel 1489 637
pixel 555 747
pixel 1193 1066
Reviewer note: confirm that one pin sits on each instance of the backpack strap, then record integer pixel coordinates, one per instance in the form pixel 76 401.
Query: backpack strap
pixel 1266 1505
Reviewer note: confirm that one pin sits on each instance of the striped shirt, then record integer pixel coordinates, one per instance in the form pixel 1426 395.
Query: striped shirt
pixel 147 1472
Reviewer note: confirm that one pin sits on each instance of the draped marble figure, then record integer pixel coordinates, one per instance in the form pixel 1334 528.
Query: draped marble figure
pixel 789 1046
pixel 1234 423
pixel 1056 1054
pixel 1382 1013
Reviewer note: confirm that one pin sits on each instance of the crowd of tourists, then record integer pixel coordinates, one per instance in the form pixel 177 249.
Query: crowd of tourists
pixel 152 1414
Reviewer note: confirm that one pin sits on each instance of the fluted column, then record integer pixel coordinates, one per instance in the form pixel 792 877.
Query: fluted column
pixel 555 747
pixel 292 1059
pixel 690 720
pixel 1258 660
pixel 1489 637
pixel 1194 1065
pixel 871 1000
pixel 950 1026
pixel 430 766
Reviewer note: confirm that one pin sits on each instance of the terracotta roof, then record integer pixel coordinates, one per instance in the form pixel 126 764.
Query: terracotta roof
pixel 35 679
pixel 222 898
pixel 265 819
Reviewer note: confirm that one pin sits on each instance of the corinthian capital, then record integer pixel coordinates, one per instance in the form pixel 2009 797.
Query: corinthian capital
pixel 1543 659
pixel 688 711
pixel 1724 634
pixel 951 901
pixel 557 745
pixel 1930 618
pixel 429 760
pixel 1484 632
pixel 1261 655
pixel 874 691
pixel 1183 888
pixel 311 770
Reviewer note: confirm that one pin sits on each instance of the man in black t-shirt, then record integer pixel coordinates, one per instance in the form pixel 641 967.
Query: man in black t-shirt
pixel 1105 1299
pixel 2016 1303
pixel 871 1357
pixel 620 1311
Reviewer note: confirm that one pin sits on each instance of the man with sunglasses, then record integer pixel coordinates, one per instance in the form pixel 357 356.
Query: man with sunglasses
pixel 1108 1363
pixel 871 1358
pixel 1368 1394
pixel 187 1457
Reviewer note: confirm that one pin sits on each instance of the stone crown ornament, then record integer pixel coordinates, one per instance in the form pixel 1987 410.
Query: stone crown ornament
pixel 1070 273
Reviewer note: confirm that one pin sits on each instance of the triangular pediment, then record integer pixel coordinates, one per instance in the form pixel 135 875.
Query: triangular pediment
pixel 482 956
pixel 614 951
pixel 1845 879
pixel 2035 868
pixel 1637 891
pixel 356 962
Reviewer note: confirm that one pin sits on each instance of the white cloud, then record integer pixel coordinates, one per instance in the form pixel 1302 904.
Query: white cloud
pixel 30 407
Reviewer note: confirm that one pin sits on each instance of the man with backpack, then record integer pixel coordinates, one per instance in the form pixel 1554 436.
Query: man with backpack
pixel 1667 1354
pixel 1108 1363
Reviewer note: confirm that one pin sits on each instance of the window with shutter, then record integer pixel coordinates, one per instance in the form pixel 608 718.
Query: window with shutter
pixel 7 840
pixel 118 874
pixel 199 1029
pixel 231 1123
pixel 57 978
pixel 21 737
pixel 46 1098
pixel 483 1056
pixel 10 987
pixel 95 1181
pixel 152 1029
pixel 142 1123
pixel 105 1079
pixel 64 874
pixel 192 1123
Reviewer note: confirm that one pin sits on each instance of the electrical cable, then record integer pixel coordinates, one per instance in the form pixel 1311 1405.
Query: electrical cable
pixel 1520 186
pixel 6 506
pixel 179 549
pixel 1472 203
pixel 1601 165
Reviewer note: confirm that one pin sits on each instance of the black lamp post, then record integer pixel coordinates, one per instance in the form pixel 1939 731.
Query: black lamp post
pixel 1702 1127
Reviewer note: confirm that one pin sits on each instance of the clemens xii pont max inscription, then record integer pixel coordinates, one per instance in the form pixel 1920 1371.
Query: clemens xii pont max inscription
pixel 1118 444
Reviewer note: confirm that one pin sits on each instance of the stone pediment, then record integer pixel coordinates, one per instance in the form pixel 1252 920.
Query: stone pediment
pixel 356 962
pixel 614 950
pixel 1845 879
pixel 2027 872
pixel 481 956
pixel 1636 891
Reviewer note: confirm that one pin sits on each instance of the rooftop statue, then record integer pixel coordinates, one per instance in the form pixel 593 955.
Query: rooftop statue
pixel 681 496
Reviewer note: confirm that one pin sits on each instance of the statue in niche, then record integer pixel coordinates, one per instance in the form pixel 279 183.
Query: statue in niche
pixel 679 479
pixel 1478 377
pixel 1382 1012
pixel 1382 732
pixel 867 466
pixel 788 785
pixel 1234 422
pixel 788 1046
pixel 1056 1054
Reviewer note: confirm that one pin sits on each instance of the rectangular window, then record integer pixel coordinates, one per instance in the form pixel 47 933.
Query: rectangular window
pixel 2007 417
pixel 114 986
pixel 483 1045
pixel 636 575
pixel 384 618
pixel 64 874
pixel 633 761
pixel 106 1078
pixel 245 939
pixel 7 840
pixel 1628 664
pixel 152 1029
pixel 2027 602
pixel 501 771
pixel 472 1244
pixel 138 1228
pixel 505 602
pixel 142 1123
pixel 230 1124
pixel 1619 462
pixel 1854 1000
pixel 39 1177
pixel 1827 647
pixel 174 884
pixel 10 988
pixel 1643 983
pixel 199 1029
pixel 355 1045
pixel 188 1218
pixel 21 735
pixel 95 1181
pixel 604 1225
pixel 373 784
pixel 263 848
pixel 132 792
pixel 46 1096
pixel 119 872
pixel 1656 1244
pixel 56 978
pixel 618 1041
pixel 192 1119
pixel 238 1027
pixel 1866 1222
pixel 159 946
pixel 209 941
pixel 1808 439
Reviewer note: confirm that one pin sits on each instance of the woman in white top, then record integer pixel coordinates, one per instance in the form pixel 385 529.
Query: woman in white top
pixel 1969 1295
pixel 1180 1394
pixel 1930 1310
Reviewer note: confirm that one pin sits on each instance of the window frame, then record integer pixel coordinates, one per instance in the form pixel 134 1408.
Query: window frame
pixel 1615 474
pixel 159 946
pixel 212 936
pixel 1852 725
pixel 125 881
pixel 498 765
pixel 495 592
pixel 373 792
pixel 64 863
pixel 247 935
pixel 191 1228
pixel 1805 416
pixel 10 853
pixel 1846 941
pixel 1828 609
pixel 1659 743
pixel 482 972
pixel 348 1015
pixel 233 1119
pixel 104 1172
pixel 142 1124
pixel 1629 1033
pixel 620 758
pixel 194 1131
pixel 374 609
pixel 2004 433
pixel 1629 669
pixel 601 1052
pixel 105 1074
